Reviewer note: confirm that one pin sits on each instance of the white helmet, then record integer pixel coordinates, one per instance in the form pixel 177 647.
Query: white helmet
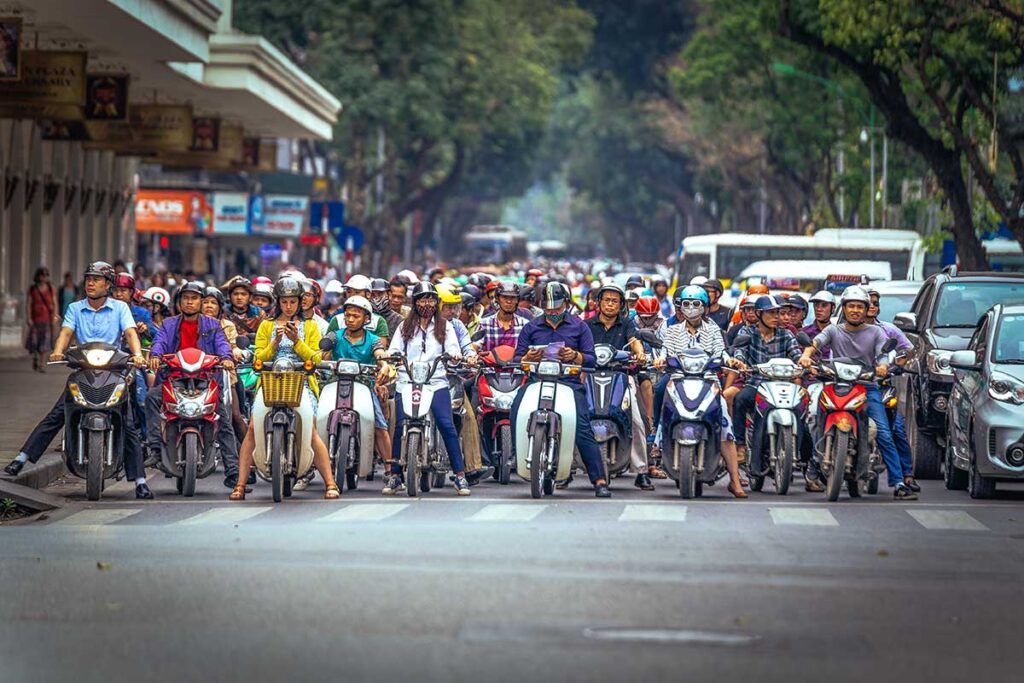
pixel 359 302
pixel 823 297
pixel 358 282
pixel 698 280
pixel 855 293
pixel 334 287
pixel 408 276
pixel 157 295
pixel 264 289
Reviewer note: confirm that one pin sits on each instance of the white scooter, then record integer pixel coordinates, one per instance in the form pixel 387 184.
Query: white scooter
pixel 421 459
pixel 546 426
pixel 345 418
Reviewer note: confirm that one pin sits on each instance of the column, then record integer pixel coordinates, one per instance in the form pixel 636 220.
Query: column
pixel 61 259
pixel 72 190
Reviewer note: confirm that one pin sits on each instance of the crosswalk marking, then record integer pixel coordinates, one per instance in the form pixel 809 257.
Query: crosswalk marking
pixel 653 513
pixel 224 515
pixel 98 517
pixel 507 513
pixel 947 520
pixel 802 517
pixel 365 512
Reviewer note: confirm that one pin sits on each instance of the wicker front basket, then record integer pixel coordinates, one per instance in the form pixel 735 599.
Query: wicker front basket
pixel 282 389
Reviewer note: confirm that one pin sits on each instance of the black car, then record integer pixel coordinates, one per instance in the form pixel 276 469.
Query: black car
pixel 941 321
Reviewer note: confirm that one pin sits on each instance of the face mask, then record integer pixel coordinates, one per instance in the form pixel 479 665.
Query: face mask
pixel 555 318
pixel 425 310
pixel 692 313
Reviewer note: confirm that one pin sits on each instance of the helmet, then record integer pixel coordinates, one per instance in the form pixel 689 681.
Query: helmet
pixel 378 284
pixel 855 293
pixel 359 283
pixel 263 289
pixel 434 271
pixel 216 294
pixel 124 280
pixel 766 303
pixel 318 291
pixel 634 281
pixel 824 297
pixel 749 300
pixel 334 287
pixel 757 289
pixel 307 285
pixel 467 299
pixel 422 289
pixel 611 287
pixel 191 286
pixel 692 293
pixel 798 302
pixel 236 282
pixel 713 284
pixel 262 280
pixel 648 305
pixel 554 295
pixel 407 276
pixel 506 288
pixel 658 280
pixel 158 296
pixel 287 286
pixel 698 280
pixel 484 279
pixel 492 286
pixel 526 293
pixel 473 291
pixel 359 302
pixel 100 268
pixel 535 272
pixel 448 296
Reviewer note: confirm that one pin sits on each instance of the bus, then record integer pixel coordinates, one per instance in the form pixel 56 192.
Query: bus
pixel 497 244
pixel 725 256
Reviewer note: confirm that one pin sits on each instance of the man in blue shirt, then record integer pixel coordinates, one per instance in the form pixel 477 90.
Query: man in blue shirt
pixel 575 344
pixel 97 318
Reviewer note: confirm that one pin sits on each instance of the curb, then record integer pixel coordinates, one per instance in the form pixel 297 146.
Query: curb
pixel 30 498
pixel 49 469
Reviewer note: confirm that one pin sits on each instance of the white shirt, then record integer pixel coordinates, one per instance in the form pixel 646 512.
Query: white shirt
pixel 424 347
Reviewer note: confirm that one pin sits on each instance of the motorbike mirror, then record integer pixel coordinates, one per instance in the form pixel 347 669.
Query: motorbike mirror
pixel 651 337
pixel 477 336
pixel 243 342
pixel 327 343
pixel 742 341
pixel 804 340
pixel 889 345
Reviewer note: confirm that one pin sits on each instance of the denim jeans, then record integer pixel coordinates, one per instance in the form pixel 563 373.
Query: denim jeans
pixel 883 436
pixel 899 435
pixel 441 409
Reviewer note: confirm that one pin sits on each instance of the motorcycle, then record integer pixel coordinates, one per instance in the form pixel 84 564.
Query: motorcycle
pixel 608 398
pixel 499 381
pixel 191 392
pixel 781 406
pixel 95 410
pixel 545 440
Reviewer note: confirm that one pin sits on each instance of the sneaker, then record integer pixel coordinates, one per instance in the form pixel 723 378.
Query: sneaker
pixel 392 484
pixel 300 485
pixel 912 484
pixel 813 485
pixel 476 476
pixel 903 492
pixel 462 486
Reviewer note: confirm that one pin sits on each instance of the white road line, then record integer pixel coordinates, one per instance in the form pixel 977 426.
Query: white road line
pixel 224 515
pixel 802 517
pixel 507 513
pixel 98 517
pixel 653 513
pixel 366 512
pixel 947 520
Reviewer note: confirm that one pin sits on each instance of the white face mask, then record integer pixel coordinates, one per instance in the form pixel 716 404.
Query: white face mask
pixel 692 314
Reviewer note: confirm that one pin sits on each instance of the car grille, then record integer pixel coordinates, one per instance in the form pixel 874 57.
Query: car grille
pixel 96 395
pixel 992 443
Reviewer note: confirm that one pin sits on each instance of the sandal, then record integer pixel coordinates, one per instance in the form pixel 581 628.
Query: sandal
pixel 238 493
pixel 737 490
pixel 656 472
pixel 333 492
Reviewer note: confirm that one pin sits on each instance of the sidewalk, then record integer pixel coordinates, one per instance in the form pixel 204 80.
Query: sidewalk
pixel 25 397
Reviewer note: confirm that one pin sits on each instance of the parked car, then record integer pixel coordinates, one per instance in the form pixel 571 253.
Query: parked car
pixel 985 432
pixel 897 296
pixel 942 320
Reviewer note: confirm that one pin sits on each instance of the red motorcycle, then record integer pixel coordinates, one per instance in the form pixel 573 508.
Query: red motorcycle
pixel 191 392
pixel 497 385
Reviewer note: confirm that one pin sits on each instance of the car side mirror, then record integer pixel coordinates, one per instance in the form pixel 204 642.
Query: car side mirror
pixel 651 337
pixel 963 360
pixel 907 322
pixel 243 342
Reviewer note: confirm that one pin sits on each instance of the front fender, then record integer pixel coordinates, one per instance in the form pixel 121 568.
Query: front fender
pixel 779 418
pixel 689 433
pixel 96 422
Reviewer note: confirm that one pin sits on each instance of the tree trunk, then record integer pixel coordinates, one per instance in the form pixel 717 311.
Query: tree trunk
pixel 968 247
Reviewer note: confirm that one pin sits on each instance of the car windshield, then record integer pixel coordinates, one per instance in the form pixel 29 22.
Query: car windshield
pixel 891 304
pixel 961 304
pixel 1009 341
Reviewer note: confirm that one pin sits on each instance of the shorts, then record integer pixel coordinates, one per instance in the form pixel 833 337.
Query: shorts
pixel 378 413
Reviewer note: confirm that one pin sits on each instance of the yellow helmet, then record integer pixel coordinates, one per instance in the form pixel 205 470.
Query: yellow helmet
pixel 448 296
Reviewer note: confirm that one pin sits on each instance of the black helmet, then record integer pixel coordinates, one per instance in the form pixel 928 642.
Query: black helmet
pixel 192 286
pixel 473 291
pixel 424 288
pixel 216 294
pixel 554 295
pixel 635 281
pixel 287 286
pixel 236 282
pixel 526 293
pixel 507 288
pixel 102 269
pixel 467 299
pixel 483 279
pixel 378 284
pixel 714 284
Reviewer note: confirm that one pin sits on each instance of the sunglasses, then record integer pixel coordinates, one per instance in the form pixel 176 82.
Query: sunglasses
pixel 689 304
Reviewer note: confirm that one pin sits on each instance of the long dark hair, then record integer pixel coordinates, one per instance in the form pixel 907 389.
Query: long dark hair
pixel 412 323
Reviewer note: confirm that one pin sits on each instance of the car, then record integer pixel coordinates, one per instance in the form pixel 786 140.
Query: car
pixel 985 422
pixel 941 321
pixel 897 296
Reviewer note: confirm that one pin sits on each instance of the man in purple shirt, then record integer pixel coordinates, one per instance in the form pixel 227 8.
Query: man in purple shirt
pixel 575 344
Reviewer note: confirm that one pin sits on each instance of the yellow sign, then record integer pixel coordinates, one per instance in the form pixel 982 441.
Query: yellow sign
pixel 151 128
pixel 229 155
pixel 52 86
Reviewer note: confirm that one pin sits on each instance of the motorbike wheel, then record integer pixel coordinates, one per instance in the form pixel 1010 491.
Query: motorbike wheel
pixel 341 450
pixel 840 447
pixel 685 455
pixel 438 480
pixel 872 486
pixel 277 464
pixel 505 459
pixel 538 443
pixel 351 480
pixel 412 463
pixel 95 447
pixel 853 487
pixel 606 456
pixel 188 479
pixel 785 456
pixel 756 482
pixel 425 482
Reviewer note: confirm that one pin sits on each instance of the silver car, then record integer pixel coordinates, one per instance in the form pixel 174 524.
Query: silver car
pixel 985 420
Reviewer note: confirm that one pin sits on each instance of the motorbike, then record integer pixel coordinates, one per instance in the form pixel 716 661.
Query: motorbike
pixel 345 418
pixel 546 426
pixel 95 410
pixel 608 399
pixel 781 406
pixel 191 392
pixel 499 381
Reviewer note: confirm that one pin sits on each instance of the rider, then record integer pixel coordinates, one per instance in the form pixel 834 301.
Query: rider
pixel 423 337
pixel 381 301
pixel 214 305
pixel 855 339
pixel 824 304
pixel 242 312
pixel 157 301
pixel 311 295
pixel 659 285
pixel 503 328
pixel 192 330
pixel 556 325
pixel 359 285
pixel 124 291
pixel 96 318
pixel 263 296
pixel 718 313
pixel 613 327
pixel 283 337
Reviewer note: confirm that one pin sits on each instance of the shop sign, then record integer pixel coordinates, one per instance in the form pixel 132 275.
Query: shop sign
pixel 52 85
pixel 106 97
pixel 230 213
pixel 150 128
pixel 284 215
pixel 172 212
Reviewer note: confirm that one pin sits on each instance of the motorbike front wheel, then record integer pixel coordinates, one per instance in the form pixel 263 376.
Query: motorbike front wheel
pixel 342 444
pixel 785 456
pixel 95 447
pixel 412 463
pixel 505 458
pixel 686 455
pixel 538 444
pixel 277 463
pixel 836 476
pixel 188 478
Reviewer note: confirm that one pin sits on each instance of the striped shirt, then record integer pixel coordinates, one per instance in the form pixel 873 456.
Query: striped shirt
pixel 708 337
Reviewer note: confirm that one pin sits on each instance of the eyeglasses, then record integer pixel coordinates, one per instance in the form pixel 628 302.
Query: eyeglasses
pixel 689 304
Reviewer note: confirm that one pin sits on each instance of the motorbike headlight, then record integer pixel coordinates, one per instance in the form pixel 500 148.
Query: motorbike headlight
pixel 190 408
pixel 419 373
pixel 98 358
pixel 847 372
pixel 115 397
pixel 549 368
pixel 76 394
pixel 347 367
pixel 694 365
pixel 283 365
pixel 503 402
pixel 603 354
pixel 938 362
pixel 782 370
pixel 1005 388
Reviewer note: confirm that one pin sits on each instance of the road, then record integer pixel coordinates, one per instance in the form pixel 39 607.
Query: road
pixel 499 587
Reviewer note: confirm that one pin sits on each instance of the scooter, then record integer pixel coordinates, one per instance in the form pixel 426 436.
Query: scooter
pixel 95 410
pixel 421 460
pixel 546 426
pixel 345 418
pixel 608 398
pixel 191 392
pixel 781 406
pixel 499 381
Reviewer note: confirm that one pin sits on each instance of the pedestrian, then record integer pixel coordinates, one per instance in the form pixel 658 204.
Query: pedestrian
pixel 68 293
pixel 41 316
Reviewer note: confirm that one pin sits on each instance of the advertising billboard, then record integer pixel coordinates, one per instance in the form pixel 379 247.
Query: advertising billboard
pixel 172 212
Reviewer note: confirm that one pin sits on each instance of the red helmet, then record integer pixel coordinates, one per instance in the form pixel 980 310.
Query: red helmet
pixel 124 280
pixel 492 285
pixel 647 305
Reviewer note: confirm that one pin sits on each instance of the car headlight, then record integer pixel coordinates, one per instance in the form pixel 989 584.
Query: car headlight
pixel 347 367
pixel 938 362
pixel 98 358
pixel 847 372
pixel 1005 388
pixel 419 373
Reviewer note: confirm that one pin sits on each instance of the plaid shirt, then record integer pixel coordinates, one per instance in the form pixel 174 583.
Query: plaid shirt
pixel 495 335
pixel 782 345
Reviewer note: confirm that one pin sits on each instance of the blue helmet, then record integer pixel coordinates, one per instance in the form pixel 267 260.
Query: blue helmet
pixel 692 293
pixel 767 303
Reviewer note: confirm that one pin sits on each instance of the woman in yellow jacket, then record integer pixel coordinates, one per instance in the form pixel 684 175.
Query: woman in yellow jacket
pixel 286 336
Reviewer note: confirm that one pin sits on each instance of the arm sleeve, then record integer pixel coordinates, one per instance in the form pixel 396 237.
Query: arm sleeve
pixel 793 348
pixel 159 346
pixel 264 350
pixel 451 341
pixel 230 332
pixel 220 341
pixel 587 346
pixel 309 348
pixel 69 318
pixel 822 339
pixel 523 343
pixel 126 320
pixel 717 342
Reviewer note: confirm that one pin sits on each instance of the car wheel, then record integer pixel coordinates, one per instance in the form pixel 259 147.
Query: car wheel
pixel 954 478
pixel 978 486
pixel 927 452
